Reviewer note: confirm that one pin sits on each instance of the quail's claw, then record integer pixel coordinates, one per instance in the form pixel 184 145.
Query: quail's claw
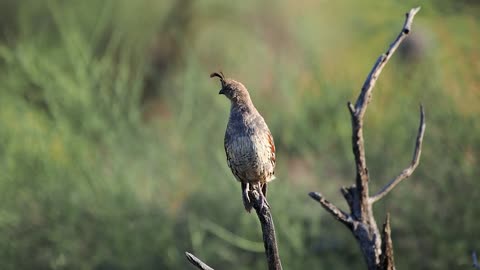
pixel 264 202
pixel 246 199
pixel 264 194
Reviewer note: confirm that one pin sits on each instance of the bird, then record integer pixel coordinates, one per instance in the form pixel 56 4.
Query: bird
pixel 248 142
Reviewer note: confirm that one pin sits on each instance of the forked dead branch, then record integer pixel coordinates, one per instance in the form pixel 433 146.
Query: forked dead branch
pixel 376 247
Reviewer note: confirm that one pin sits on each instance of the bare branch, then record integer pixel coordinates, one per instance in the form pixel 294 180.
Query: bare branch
pixel 413 165
pixel 336 212
pixel 365 95
pixel 387 262
pixel 262 208
pixel 475 260
pixel 197 262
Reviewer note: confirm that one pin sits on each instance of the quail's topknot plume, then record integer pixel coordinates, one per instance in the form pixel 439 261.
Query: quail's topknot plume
pixel 248 142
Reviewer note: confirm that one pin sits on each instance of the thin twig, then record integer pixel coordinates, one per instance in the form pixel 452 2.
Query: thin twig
pixel 197 262
pixel 336 212
pixel 413 165
pixel 262 208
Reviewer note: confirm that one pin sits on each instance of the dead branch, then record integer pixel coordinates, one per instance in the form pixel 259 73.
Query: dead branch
pixel 197 262
pixel 361 220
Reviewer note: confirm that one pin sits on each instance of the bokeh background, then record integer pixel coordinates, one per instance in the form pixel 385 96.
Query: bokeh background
pixel 111 131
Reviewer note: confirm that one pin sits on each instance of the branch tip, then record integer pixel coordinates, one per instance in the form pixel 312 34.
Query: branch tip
pixel 197 262
pixel 422 111
pixel 315 195
pixel 415 10
pixel 351 108
pixel 387 222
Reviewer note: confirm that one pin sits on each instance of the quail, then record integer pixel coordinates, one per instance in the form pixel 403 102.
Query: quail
pixel 248 142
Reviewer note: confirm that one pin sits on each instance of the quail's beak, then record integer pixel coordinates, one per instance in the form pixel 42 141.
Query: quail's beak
pixel 222 92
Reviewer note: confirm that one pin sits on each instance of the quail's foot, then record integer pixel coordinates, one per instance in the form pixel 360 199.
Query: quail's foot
pixel 264 201
pixel 246 199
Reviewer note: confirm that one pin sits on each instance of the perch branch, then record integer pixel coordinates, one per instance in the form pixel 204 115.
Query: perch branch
pixel 336 212
pixel 262 208
pixel 387 262
pixel 197 262
pixel 413 165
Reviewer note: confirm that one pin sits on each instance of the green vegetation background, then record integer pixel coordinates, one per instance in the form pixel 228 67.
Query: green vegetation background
pixel 111 132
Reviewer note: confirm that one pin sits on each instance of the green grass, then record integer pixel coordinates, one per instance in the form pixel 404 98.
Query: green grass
pixel 111 135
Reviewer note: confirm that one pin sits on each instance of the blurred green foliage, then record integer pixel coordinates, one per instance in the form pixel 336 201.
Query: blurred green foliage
pixel 111 135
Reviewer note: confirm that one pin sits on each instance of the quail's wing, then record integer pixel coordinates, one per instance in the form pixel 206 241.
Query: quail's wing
pixel 268 154
pixel 232 157
pixel 270 144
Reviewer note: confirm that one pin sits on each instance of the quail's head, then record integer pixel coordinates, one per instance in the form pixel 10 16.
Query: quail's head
pixel 233 90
